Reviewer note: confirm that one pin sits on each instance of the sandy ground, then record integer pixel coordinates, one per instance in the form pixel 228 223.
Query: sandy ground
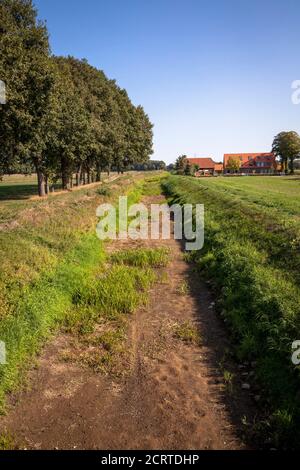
pixel 173 398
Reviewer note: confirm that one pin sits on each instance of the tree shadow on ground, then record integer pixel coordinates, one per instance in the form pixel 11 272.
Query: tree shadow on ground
pixel 17 192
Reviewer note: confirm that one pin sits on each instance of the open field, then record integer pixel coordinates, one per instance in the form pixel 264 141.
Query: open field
pixel 17 187
pixel 20 187
pixel 252 258
pixel 128 328
pixel 278 194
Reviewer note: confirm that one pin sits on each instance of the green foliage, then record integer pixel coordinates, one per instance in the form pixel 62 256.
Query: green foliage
pixel 233 164
pixel 181 164
pixel 104 191
pixel 188 171
pixel 62 116
pixel 26 70
pixel 229 380
pixel 286 146
pixel 152 165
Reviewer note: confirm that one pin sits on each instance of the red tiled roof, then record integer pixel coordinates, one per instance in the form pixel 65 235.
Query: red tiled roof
pixel 267 160
pixel 203 163
pixel 246 157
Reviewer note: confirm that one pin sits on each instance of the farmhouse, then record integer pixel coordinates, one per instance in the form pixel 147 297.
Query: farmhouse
pixel 206 166
pixel 249 163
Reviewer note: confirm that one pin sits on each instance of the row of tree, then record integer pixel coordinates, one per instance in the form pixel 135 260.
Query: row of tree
pixel 62 116
pixel 152 165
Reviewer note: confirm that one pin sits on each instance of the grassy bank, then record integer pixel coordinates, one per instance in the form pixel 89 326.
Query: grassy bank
pixel 49 256
pixel 251 255
pixel 98 320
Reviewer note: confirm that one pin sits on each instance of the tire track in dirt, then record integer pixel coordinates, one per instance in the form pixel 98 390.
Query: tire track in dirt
pixel 173 397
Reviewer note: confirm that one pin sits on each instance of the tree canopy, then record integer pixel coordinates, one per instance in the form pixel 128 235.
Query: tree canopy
pixel 62 116
pixel 180 164
pixel 286 146
pixel 233 164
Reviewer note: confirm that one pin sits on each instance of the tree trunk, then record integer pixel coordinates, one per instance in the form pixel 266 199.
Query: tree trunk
pixel 78 176
pixel 286 166
pixel 64 180
pixel 292 166
pixel 41 183
pixel 46 185
pixel 98 174
pixel 64 175
pixel 88 177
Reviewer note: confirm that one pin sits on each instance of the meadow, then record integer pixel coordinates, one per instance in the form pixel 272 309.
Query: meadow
pixel 251 258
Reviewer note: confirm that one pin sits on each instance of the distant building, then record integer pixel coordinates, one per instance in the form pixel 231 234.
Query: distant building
pixel 218 168
pixel 250 163
pixel 206 166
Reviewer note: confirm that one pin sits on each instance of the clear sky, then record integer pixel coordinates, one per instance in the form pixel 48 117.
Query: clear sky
pixel 214 75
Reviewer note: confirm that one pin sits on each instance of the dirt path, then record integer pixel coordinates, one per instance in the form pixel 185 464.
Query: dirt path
pixel 173 398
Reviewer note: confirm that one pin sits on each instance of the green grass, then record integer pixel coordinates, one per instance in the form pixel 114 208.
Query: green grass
pixel 17 187
pixel 46 258
pixel 20 187
pixel 228 380
pixel 41 308
pixel 7 442
pixel 252 256
pixel 104 191
pixel 280 195
pixel 155 258
pixel 152 185
pixel 115 292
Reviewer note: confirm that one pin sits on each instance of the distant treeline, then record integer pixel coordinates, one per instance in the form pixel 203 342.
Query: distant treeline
pixel 151 165
pixel 62 116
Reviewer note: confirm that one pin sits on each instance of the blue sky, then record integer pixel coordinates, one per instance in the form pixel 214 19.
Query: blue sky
pixel 214 75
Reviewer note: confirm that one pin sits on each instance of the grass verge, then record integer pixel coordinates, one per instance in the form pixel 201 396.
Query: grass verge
pixel 47 256
pixel 254 268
